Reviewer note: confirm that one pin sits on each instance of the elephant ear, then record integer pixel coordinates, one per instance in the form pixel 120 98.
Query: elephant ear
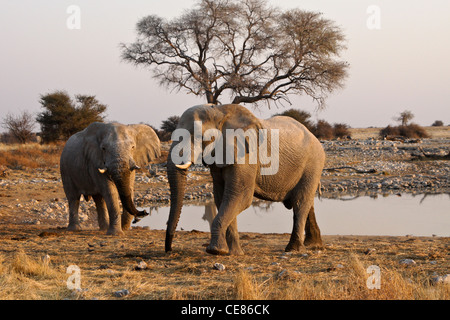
pixel 148 146
pixel 240 131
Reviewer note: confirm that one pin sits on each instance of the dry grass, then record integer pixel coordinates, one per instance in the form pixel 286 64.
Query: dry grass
pixel 337 273
pixel 28 279
pixel 30 155
pixel 352 285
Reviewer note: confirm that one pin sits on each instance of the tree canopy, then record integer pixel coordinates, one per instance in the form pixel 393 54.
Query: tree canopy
pixel 244 49
pixel 63 117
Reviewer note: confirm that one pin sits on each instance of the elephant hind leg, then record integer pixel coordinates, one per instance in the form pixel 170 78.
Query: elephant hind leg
pixel 312 232
pixel 302 203
pixel 102 212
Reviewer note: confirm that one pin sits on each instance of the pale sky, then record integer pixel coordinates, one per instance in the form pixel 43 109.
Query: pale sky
pixel 403 65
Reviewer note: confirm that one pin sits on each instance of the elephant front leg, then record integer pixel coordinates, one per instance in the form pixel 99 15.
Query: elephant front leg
pixel 232 236
pixel 112 203
pixel 74 223
pixel 127 218
pixel 224 233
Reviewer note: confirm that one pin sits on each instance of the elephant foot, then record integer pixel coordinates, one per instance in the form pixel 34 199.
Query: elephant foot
pixel 115 232
pixel 236 252
pixel 74 227
pixel 297 246
pixel 235 248
pixel 314 243
pixel 126 226
pixel 216 250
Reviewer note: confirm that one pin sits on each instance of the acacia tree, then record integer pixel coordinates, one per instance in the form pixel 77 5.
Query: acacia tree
pixel 246 49
pixel 405 117
pixel 20 127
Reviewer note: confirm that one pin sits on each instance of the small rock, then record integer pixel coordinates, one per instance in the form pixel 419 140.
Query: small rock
pixel 283 274
pixel 141 266
pixel 46 259
pixel 441 279
pixel 407 262
pixel 219 266
pixel 121 293
pixel 370 251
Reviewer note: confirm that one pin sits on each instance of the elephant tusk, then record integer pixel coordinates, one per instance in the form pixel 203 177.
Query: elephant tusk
pixel 102 170
pixel 184 166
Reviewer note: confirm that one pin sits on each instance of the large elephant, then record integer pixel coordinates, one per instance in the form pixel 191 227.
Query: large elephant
pixel 297 178
pixel 100 161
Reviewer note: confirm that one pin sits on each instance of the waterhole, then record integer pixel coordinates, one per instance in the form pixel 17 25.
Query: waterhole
pixel 393 215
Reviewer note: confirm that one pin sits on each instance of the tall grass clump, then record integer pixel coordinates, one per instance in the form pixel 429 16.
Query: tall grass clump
pixel 26 278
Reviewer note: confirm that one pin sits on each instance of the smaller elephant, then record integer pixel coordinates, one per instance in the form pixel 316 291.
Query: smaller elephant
pixel 100 162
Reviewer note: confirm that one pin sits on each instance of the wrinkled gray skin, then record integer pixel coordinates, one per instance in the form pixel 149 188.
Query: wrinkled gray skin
pixel 100 162
pixel 301 160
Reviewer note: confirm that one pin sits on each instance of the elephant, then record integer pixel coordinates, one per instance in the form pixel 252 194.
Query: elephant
pixel 100 162
pixel 300 159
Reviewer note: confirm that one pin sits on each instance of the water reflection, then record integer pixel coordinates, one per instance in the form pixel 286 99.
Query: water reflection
pixel 395 214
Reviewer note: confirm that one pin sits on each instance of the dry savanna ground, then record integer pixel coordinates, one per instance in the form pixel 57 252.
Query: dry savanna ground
pixel 34 258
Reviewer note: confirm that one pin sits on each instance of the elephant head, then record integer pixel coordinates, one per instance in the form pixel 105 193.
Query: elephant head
pixel 115 151
pixel 204 147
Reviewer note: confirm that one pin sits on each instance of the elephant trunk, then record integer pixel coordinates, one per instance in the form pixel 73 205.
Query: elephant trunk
pixel 177 182
pixel 122 180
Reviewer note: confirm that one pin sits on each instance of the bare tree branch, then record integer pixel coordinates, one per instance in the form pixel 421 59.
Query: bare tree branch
pixel 246 49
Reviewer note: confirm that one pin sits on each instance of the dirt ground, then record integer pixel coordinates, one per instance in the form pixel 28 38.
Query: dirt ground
pixel 34 259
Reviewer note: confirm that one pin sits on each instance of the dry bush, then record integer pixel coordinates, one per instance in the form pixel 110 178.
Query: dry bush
pixel 341 130
pixel 323 130
pixel 412 130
